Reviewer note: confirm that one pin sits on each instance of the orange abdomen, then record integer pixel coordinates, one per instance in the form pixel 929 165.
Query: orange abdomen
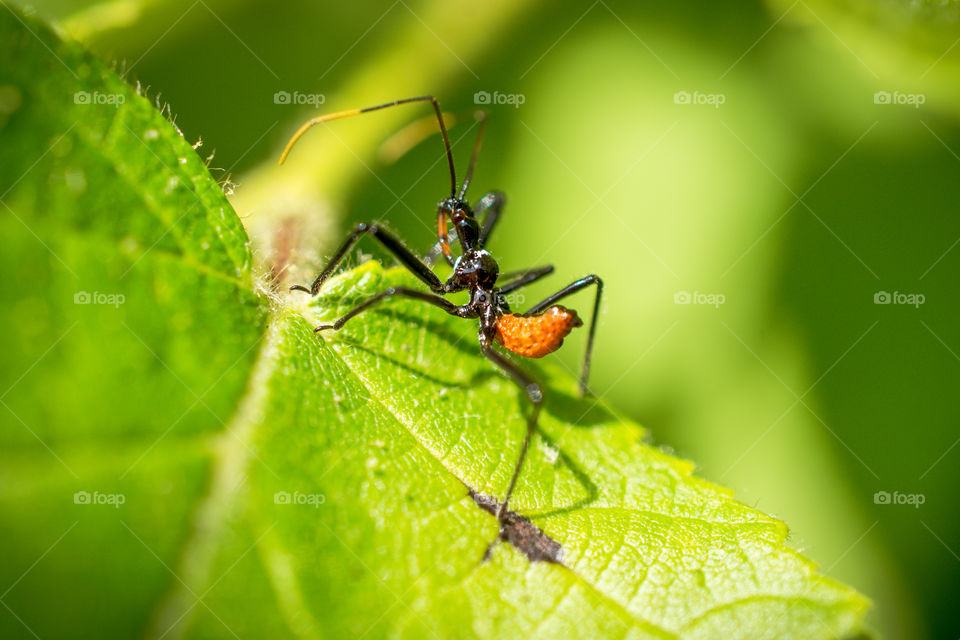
pixel 536 336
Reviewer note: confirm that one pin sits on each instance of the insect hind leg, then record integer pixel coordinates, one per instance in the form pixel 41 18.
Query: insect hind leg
pixel 569 290
pixel 534 394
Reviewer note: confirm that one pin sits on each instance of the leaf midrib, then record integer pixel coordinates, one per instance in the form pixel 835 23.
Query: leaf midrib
pixel 231 461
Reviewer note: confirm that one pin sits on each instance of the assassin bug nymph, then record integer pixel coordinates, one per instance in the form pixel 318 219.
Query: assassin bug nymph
pixel 533 334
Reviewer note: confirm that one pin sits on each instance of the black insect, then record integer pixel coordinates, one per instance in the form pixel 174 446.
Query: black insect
pixel 533 334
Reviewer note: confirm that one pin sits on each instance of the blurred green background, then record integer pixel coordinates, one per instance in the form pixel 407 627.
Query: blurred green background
pixel 787 187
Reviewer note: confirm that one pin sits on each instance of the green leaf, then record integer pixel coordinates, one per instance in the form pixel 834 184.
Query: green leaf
pixel 191 460
pixel 129 328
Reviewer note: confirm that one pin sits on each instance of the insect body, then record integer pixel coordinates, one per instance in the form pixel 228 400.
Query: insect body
pixel 536 336
pixel 533 334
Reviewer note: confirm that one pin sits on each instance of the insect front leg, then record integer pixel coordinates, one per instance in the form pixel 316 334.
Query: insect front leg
pixel 435 300
pixel 388 240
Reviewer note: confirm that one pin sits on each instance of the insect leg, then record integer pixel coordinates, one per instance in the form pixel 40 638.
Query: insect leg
pixel 404 255
pixel 437 301
pixel 491 204
pixel 431 257
pixel 570 289
pixel 523 278
pixel 535 395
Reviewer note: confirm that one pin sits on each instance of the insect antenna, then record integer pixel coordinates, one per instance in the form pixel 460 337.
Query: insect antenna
pixel 482 117
pixel 354 112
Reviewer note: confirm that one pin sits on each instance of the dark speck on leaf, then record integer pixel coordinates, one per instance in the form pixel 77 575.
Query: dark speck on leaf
pixel 521 533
